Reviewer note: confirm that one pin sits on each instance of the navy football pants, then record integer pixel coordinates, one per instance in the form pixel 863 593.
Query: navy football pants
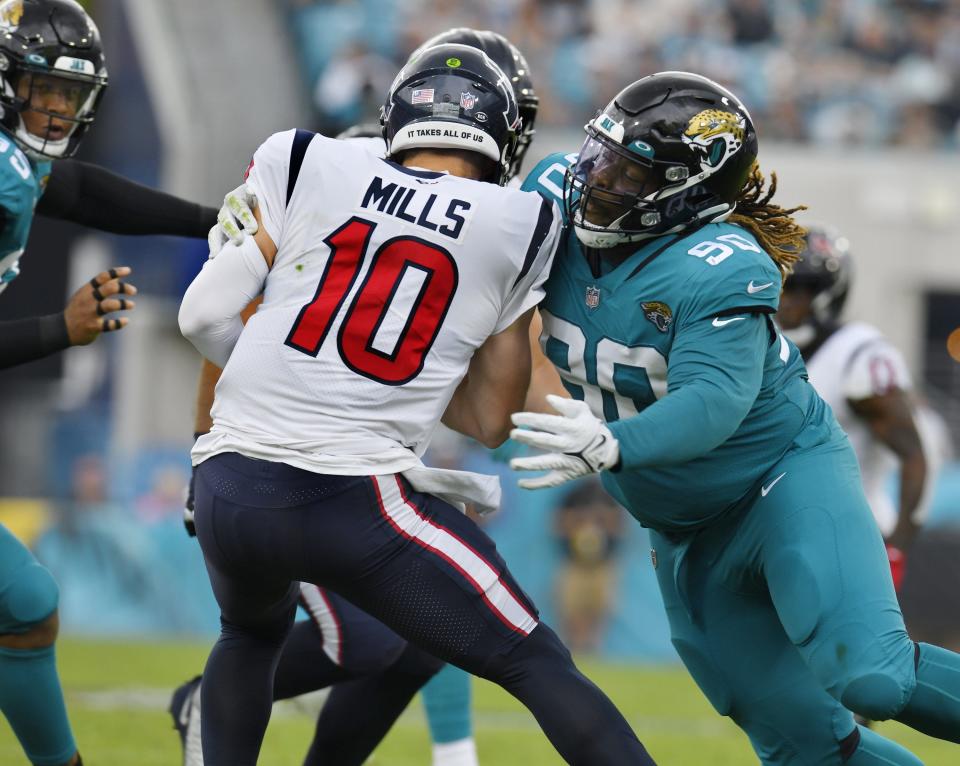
pixel 408 559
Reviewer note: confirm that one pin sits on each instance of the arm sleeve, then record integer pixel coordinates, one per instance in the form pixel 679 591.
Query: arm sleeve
pixel 875 370
pixel 527 290
pixel 210 313
pixel 713 378
pixel 93 196
pixel 24 340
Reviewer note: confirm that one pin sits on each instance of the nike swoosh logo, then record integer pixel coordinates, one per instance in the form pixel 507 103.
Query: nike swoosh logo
pixel 752 288
pixel 718 322
pixel 764 491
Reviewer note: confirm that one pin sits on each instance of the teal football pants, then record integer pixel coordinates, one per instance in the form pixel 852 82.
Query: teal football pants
pixel 30 695
pixel 786 617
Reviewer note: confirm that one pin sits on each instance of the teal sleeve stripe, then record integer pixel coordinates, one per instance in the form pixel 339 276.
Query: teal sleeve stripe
pixel 713 379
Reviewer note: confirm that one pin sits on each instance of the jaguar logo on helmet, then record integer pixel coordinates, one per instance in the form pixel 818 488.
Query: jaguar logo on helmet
pixel 10 14
pixel 716 135
pixel 659 314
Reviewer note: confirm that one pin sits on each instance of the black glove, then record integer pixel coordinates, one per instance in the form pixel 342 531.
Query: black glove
pixel 188 503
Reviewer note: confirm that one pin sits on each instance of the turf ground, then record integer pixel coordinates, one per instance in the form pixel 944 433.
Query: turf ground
pixel 118 692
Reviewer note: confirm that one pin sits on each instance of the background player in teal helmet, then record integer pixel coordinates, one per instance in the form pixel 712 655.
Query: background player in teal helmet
pixel 52 76
pixel 699 417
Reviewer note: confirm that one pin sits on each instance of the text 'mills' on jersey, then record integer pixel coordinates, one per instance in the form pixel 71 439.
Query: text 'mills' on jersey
pixel 416 206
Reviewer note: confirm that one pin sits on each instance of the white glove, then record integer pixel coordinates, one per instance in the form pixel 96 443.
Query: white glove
pixel 578 441
pixel 234 221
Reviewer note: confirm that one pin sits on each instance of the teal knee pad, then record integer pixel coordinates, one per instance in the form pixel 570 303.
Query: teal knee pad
pixel 30 597
pixel 877 696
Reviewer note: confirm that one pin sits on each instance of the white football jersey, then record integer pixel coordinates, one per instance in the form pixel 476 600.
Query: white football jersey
pixel 385 282
pixel 857 362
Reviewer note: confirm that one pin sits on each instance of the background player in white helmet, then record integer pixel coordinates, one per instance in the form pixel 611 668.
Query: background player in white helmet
pixel 865 381
pixel 330 393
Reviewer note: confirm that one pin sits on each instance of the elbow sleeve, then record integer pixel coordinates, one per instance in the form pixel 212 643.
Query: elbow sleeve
pixel 210 312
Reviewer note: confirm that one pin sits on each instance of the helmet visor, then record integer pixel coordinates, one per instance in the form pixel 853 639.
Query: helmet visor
pixel 611 183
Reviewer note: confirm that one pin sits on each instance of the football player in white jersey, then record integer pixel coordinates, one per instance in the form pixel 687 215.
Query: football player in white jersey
pixel 394 295
pixel 341 643
pixel 865 381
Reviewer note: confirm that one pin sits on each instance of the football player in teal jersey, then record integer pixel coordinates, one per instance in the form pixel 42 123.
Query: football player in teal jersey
pixel 52 75
pixel 698 414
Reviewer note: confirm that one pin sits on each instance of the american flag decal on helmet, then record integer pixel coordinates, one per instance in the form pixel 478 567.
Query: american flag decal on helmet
pixel 422 96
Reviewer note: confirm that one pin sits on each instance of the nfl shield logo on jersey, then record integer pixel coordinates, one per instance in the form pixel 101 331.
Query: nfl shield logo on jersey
pixel 593 296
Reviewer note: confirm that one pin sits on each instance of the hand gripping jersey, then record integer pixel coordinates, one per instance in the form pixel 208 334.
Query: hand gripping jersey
pixel 682 311
pixel 385 282
pixel 21 185
pixel 857 362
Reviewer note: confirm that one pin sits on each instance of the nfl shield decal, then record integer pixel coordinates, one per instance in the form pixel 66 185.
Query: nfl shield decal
pixel 467 100
pixel 592 297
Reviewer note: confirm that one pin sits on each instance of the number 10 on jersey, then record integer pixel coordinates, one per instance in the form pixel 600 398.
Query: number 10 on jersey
pixel 358 341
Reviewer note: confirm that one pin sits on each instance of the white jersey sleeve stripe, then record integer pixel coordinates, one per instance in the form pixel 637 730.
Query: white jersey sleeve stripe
pixel 325 618
pixel 404 516
pixel 544 222
pixel 298 150
pixel 527 291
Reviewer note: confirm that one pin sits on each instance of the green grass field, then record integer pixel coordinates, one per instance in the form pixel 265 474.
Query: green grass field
pixel 118 692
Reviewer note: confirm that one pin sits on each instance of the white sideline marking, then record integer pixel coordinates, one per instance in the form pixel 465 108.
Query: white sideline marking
pixel 308 705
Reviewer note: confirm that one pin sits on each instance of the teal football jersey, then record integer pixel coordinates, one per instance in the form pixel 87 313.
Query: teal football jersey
pixel 22 182
pixel 675 348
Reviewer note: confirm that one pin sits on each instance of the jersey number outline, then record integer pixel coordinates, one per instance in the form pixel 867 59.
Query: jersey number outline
pixel 557 167
pixel 716 251
pixel 17 160
pixel 628 378
pixel 373 301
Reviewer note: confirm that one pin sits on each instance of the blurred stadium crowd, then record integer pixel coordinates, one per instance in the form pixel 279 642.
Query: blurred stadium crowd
pixel 848 72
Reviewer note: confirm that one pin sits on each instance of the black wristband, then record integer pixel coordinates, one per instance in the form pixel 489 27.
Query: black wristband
pixel 24 340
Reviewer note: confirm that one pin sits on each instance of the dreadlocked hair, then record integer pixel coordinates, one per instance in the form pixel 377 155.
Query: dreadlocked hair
pixel 772 226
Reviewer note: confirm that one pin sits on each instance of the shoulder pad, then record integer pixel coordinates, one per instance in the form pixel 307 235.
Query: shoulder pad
pixel 547 176
pixel 728 270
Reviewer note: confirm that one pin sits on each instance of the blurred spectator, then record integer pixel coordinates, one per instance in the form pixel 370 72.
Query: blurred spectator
pixel 164 499
pixel 751 20
pixel 589 527
pixel 863 72
pixel 351 88
pixel 117 574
